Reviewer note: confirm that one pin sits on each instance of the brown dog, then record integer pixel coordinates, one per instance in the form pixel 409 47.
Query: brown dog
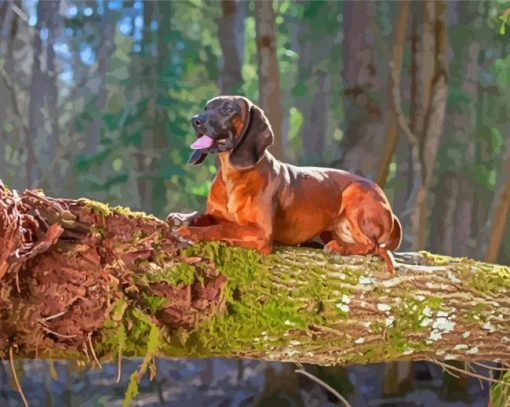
pixel 257 201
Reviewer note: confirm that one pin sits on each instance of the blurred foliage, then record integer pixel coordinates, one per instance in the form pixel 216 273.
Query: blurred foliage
pixel 130 74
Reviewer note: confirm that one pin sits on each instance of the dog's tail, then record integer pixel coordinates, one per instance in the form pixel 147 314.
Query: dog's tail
pixel 395 237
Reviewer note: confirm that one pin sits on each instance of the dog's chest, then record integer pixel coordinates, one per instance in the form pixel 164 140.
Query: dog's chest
pixel 238 196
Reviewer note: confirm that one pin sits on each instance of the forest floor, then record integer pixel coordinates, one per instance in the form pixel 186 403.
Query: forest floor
pixel 218 383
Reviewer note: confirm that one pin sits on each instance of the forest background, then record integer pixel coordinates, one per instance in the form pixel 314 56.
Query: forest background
pixel 96 98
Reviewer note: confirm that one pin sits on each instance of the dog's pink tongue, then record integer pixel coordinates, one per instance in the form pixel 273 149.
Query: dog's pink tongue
pixel 202 142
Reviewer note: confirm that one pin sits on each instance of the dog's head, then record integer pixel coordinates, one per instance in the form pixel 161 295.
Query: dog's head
pixel 231 124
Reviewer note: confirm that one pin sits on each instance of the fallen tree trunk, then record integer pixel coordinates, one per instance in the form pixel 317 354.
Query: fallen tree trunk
pixel 82 281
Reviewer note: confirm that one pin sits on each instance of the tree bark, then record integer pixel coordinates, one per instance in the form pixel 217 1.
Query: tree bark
pixel 394 111
pixel 105 49
pixel 147 71
pixel 363 113
pixel 231 37
pixel 428 104
pixel 165 11
pixel 43 118
pixel 80 280
pixel 443 224
pixel 268 72
pixel 500 208
pixel 456 186
pixel 313 132
pixel 150 65
pixel 9 105
pixel 312 91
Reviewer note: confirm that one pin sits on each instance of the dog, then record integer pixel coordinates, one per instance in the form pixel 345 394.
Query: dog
pixel 257 201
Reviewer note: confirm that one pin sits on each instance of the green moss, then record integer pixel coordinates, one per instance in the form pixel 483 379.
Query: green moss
pixel 105 210
pixel 475 313
pixel 180 273
pixel 127 329
pixel 153 343
pixel 409 315
pixel 488 278
pixel 436 259
pixel 123 211
pixel 267 299
pixel 275 302
pixel 154 303
pixel 113 333
pixel 98 208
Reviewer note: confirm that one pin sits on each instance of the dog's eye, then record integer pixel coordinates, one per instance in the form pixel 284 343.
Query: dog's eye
pixel 228 109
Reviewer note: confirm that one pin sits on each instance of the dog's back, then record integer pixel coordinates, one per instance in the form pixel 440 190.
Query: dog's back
pixel 309 201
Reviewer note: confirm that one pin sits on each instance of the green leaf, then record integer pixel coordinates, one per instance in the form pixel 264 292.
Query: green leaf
pixel 500 393
pixel 152 348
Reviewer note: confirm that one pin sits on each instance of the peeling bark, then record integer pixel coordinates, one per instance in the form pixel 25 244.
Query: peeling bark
pixel 77 275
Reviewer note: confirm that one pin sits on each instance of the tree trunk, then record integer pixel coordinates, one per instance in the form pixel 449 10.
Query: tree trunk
pixel 165 11
pixel 500 208
pixel 403 184
pixel 363 115
pixel 9 106
pixel 442 225
pixel 42 142
pixel 429 86
pixel 8 21
pixel 106 48
pixel 460 193
pixel 311 92
pixel 231 37
pixel 466 229
pixel 268 72
pixel 153 60
pixel 313 132
pixel 147 72
pixel 394 110
pixel 80 280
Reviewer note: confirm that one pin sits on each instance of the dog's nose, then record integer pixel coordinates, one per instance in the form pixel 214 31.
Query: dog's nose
pixel 197 120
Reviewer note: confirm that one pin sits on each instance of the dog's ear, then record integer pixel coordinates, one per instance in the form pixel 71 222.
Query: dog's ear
pixel 257 137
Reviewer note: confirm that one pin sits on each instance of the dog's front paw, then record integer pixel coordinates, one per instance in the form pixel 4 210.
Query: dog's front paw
pixel 176 220
pixel 184 235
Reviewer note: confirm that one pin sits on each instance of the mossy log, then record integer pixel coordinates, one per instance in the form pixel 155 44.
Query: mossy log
pixel 85 282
